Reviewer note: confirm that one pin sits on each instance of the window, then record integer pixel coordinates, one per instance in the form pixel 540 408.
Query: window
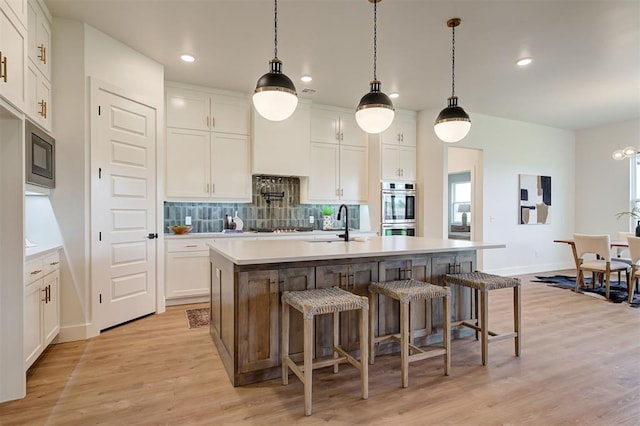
pixel 461 203
pixel 635 181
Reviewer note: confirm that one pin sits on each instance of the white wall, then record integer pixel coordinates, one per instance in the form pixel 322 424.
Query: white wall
pixel 602 183
pixel 83 52
pixel 509 148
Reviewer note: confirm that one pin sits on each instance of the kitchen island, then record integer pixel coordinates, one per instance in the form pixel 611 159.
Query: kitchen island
pixel 248 278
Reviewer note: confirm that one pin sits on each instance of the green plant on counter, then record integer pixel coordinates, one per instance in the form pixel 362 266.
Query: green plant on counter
pixel 326 211
pixel 634 213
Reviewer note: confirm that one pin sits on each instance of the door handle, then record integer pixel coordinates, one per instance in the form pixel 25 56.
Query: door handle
pixel 43 53
pixel 151 236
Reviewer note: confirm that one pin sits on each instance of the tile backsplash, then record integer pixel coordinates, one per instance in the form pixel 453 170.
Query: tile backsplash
pixel 275 204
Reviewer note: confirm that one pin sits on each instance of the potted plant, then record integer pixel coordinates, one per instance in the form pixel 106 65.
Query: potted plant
pixel 635 214
pixel 327 222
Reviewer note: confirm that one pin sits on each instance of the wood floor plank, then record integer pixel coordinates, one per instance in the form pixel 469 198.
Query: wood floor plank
pixel 580 364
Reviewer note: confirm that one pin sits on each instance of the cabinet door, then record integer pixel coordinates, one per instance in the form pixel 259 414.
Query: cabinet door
pixel 351 133
pixel 13 66
pixel 328 276
pixel 187 274
pixel 188 163
pixel 187 109
pixel 39 30
pixel 359 278
pixel 461 297
pixel 38 98
pixel 230 114
pixel 324 175
pixel 33 344
pixel 230 167
pixel 296 279
pixel 258 320
pixel 391 136
pixel 17 8
pixel 407 163
pixel 325 126
pixel 354 174
pixel 282 147
pixel 407 130
pixel 51 307
pixel 389 162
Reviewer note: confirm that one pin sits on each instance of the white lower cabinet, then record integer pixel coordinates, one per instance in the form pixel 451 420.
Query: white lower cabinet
pixel 187 268
pixel 41 305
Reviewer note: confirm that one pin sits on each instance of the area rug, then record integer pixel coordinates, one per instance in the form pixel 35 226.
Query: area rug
pixel 617 291
pixel 197 317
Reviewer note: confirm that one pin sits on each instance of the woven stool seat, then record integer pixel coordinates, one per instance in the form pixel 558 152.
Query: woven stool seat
pixel 324 301
pixel 482 281
pixel 310 303
pixel 409 290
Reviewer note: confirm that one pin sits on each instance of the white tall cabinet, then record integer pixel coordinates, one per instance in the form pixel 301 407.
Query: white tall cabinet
pixel 339 170
pixel 208 156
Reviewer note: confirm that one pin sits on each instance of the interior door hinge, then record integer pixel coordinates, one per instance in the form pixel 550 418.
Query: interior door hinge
pixel 99 110
pixel 100 297
pixel 99 172
pixel 99 236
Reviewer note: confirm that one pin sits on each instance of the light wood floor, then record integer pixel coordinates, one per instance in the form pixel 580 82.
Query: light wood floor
pixel 580 365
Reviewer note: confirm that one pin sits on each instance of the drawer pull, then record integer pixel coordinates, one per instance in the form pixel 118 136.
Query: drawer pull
pixel 36 272
pixel 191 245
pixel 53 263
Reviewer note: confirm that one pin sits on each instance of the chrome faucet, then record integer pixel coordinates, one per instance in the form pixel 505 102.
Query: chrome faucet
pixel 346 221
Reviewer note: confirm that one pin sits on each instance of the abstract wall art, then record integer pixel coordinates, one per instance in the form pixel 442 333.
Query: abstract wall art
pixel 535 200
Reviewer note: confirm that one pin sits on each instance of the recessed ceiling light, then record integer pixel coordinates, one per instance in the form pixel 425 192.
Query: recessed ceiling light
pixel 306 78
pixel 523 62
pixel 394 95
pixel 188 58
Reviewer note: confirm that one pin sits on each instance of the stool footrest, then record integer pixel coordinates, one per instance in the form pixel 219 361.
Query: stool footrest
pixel 429 353
pixel 495 337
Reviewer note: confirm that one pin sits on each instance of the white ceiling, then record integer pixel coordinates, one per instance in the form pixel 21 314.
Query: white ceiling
pixel 586 69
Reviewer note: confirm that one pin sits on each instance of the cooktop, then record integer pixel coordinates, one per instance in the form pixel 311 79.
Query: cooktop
pixel 284 229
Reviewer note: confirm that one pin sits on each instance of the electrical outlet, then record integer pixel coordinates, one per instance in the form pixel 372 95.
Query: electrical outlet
pixel 312 219
pixel 187 220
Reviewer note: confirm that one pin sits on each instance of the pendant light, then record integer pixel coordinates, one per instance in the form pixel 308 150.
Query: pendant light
pixel 275 97
pixel 453 123
pixel 375 111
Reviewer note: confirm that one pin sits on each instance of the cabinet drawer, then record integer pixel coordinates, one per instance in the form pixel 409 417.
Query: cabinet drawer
pixel 187 245
pixel 51 263
pixel 33 270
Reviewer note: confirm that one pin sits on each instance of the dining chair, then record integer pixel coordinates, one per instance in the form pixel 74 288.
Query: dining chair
pixel 621 254
pixel 600 246
pixel 634 249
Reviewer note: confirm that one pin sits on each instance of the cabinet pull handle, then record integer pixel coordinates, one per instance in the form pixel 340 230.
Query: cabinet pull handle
pixel 401 172
pixel 45 295
pixel 207 121
pixel 3 62
pixel 191 245
pixel 43 108
pixel 207 188
pixel 53 263
pixel 401 137
pixel 213 122
pixel 353 281
pixel 43 53
pixel 36 271
pixel 213 188
pixel 49 293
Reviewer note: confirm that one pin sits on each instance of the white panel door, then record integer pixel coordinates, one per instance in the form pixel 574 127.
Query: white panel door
pixel 123 142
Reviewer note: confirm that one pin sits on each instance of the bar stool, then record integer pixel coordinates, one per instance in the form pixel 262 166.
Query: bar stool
pixel 482 283
pixel 316 302
pixel 406 291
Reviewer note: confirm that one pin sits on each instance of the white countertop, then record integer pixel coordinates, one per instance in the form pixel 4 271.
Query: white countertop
pixel 40 250
pixel 250 252
pixel 249 234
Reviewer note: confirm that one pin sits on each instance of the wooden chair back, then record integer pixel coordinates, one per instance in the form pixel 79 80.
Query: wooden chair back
pixel 634 248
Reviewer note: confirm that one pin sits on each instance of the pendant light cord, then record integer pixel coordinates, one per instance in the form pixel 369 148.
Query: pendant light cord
pixel 375 40
pixel 453 61
pixel 275 29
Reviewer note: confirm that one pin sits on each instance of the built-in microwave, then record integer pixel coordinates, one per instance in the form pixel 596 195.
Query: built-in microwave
pixel 40 155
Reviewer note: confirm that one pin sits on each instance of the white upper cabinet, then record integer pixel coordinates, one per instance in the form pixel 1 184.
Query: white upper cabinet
pixel 336 125
pixel 13 55
pixel 18 8
pixel 207 145
pixel 402 131
pixel 39 27
pixel 339 158
pixel 191 109
pixel 282 147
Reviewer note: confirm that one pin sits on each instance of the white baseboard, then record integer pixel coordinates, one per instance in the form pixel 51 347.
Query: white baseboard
pixel 187 300
pixel 72 333
pixel 532 269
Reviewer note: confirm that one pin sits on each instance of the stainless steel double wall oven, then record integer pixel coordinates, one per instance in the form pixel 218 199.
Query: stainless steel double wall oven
pixel 398 208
